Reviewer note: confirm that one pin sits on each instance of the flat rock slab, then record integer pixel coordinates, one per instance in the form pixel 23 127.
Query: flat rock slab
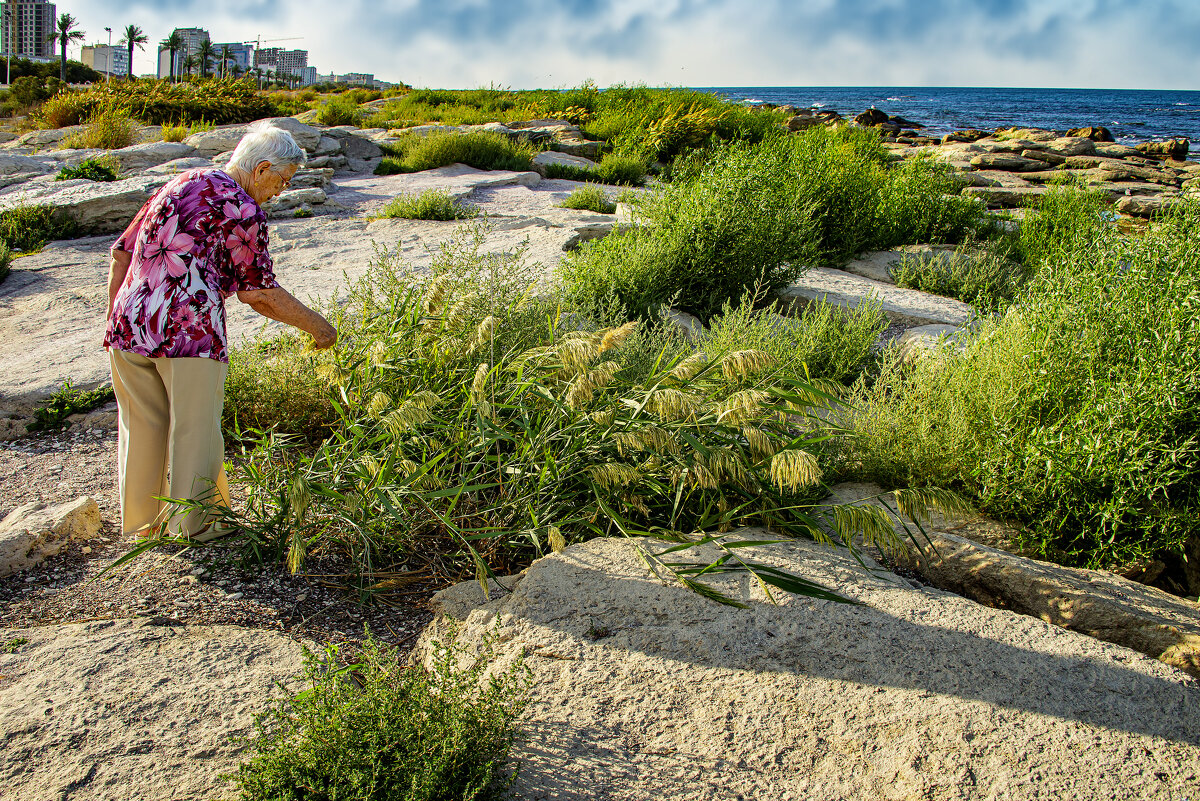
pixel 644 690
pixel 907 307
pixel 124 709
pixel 880 265
pixel 30 533
pixel 1005 196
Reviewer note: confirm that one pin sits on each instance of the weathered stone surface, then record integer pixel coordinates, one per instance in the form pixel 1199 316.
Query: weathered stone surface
pixel 306 178
pixel 643 690
pixel 549 157
pixel 353 143
pixel 129 709
pixel 151 154
pixel 294 199
pixel 589 231
pixel 49 136
pixel 179 165
pixel 1132 172
pixel 969 135
pixel 1027 134
pixel 1051 158
pixel 1008 163
pixel 583 148
pixel 23 165
pixel 907 307
pixel 1145 205
pixel 94 207
pixel 30 533
pixel 226 137
pixel 1116 151
pixel 1176 149
pixel 871 116
pixel 687 324
pixel 881 264
pixel 916 342
pixel 1097 133
pixel 1005 197
pixel 337 162
pixel 1096 603
pixel 1070 146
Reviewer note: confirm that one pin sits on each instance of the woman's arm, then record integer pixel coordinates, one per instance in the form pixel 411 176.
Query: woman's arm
pixel 118 266
pixel 279 304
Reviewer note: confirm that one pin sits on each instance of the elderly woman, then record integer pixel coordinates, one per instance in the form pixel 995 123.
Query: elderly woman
pixel 200 239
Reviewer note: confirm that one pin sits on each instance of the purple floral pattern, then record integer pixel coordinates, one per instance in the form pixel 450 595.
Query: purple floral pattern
pixel 200 239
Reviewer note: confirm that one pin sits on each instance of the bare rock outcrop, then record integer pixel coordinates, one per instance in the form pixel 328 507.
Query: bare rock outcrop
pixel 34 531
pixel 644 690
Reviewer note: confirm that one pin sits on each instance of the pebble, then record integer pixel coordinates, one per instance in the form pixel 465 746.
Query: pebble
pixel 234 596
pixel 199 571
pixel 189 580
pixel 302 597
pixel 86 549
pixel 182 604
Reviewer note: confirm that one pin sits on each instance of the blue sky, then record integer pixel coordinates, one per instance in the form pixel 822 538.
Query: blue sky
pixel 1150 44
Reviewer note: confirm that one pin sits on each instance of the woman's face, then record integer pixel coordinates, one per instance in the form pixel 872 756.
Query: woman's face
pixel 269 181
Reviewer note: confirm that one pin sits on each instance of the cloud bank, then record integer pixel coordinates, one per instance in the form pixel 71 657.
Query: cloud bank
pixel 548 43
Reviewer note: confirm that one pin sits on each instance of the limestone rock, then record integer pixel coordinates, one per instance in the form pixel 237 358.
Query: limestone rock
pixel 1050 157
pixel 549 157
pixel 50 136
pixel 1096 603
pixel 871 116
pixel 589 231
pixel 95 207
pixel 337 162
pixel 34 531
pixel 916 342
pixel 327 146
pixel 226 137
pixel 1175 149
pixel 179 165
pixel 1116 151
pixel 294 198
pixel 23 165
pixel 969 135
pixel 306 178
pixel 907 307
pixel 1071 146
pixel 881 264
pixel 1027 134
pixel 686 324
pixel 1145 205
pixel 1005 197
pixel 1097 133
pixel 353 144
pixel 151 154
pixel 1133 172
pixel 133 709
pixel 583 148
pixel 1007 163
pixel 644 690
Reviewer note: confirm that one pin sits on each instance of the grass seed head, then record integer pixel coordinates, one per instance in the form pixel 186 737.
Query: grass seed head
pixel 672 404
pixel 613 474
pixel 741 364
pixel 687 369
pixel 614 337
pixel 794 469
pixel 741 407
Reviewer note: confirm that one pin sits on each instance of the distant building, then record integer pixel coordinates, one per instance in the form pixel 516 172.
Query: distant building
pixel 192 37
pixel 27 24
pixel 240 54
pixel 109 59
pixel 282 61
pixel 308 76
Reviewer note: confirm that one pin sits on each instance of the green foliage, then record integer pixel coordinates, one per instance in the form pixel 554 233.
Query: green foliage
pixel 77 72
pixel 1063 220
pixel 175 133
pixel 107 128
pixel 751 215
pixel 340 110
pixel 276 384
pixel 1076 412
pixel 984 277
pixel 103 168
pixel 302 213
pixel 6 260
pixel 29 90
pixel 481 149
pixel 62 110
pixel 220 102
pixel 13 644
pixel 432 204
pixel 52 413
pixel 589 198
pixel 27 228
pixel 377 730
pixel 615 170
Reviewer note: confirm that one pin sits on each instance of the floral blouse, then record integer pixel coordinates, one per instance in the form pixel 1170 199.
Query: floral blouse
pixel 200 239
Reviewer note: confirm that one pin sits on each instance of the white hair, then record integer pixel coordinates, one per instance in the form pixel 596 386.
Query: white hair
pixel 264 142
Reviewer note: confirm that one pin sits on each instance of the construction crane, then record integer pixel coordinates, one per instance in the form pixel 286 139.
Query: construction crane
pixel 257 42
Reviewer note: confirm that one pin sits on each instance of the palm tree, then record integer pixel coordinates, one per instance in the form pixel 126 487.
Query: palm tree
pixel 189 65
pixel 174 43
pixel 65 34
pixel 134 36
pixel 206 55
pixel 226 57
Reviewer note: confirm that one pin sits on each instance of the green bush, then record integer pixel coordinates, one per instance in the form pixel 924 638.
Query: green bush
pixel 749 215
pixel 277 385
pixel 589 198
pixel 6 260
pixel 107 128
pixel 220 102
pixel 432 204
pixel 377 730
pixel 28 228
pixel 1075 413
pixel 481 150
pixel 103 168
pixel 62 110
pixel 340 110
pixel 985 278
pixel 615 170
pixel 52 413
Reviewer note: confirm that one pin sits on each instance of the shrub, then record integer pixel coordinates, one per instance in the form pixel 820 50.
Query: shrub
pixel 377 730
pixel 29 90
pixel 615 170
pixel 302 213
pixel 175 133
pixel 985 278
pixel 6 260
pixel 589 198
pixel 103 168
pixel 27 228
pixel 1075 412
pixel 339 110
pixel 481 150
pixel 432 204
pixel 107 128
pixel 221 102
pixel 277 385
pixel 62 110
pixel 52 413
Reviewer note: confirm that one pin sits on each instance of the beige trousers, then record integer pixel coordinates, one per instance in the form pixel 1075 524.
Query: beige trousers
pixel 170 442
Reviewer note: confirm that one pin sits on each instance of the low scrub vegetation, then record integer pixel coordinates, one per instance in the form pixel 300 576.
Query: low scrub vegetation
pixel 340 110
pixel 95 169
pixel 614 170
pixel 985 277
pixel 6 260
pixel 27 228
pixel 106 128
pixel 589 198
pixel 220 102
pixel 481 150
pixel 377 730
pixel 52 413
pixel 432 204
pixel 747 216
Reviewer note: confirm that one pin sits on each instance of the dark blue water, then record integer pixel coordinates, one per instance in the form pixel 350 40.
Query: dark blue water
pixel 1133 115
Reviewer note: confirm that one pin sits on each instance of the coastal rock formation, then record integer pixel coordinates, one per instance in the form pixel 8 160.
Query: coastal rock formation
pixel 644 690
pixel 94 207
pixel 151 154
pixel 907 307
pixel 553 158
pixel 125 709
pixel 30 533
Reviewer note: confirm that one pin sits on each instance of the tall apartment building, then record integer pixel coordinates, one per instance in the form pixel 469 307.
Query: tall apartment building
pixel 278 60
pixel 192 37
pixel 241 54
pixel 111 60
pixel 26 26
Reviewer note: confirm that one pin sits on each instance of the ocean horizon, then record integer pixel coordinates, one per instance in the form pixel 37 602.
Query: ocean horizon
pixel 1132 115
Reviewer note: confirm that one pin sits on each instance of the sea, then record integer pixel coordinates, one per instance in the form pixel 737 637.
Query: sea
pixel 1132 115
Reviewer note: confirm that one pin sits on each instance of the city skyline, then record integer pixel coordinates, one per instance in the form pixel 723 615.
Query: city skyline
pixel 549 43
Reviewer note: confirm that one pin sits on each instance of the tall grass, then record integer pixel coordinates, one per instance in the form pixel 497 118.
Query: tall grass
pixel 480 149
pixel 432 204
pixel 614 169
pixel 750 215
pixel 107 128
pixel 28 228
pixel 1076 412
pixel 339 110
pixel 589 198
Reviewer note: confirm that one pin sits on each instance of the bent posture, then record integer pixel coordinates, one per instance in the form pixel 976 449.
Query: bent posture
pixel 200 239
